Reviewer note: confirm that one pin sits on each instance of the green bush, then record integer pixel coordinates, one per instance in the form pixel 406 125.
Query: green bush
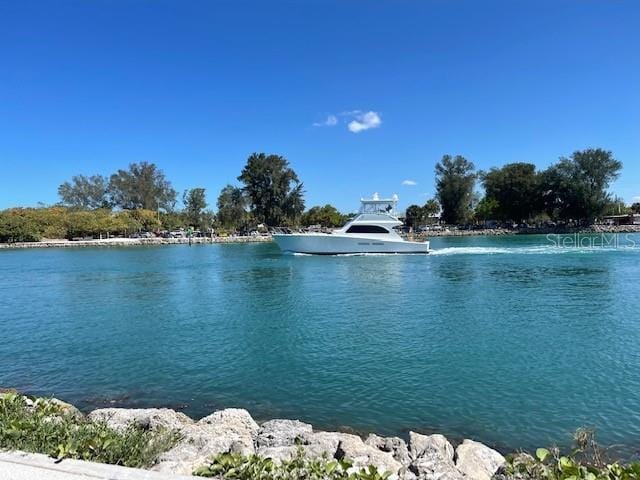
pixel 585 462
pixel 233 466
pixel 45 427
pixel 17 225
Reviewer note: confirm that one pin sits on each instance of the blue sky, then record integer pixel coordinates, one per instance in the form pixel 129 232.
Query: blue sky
pixel 91 86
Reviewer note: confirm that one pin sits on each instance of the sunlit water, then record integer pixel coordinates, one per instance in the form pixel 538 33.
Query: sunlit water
pixel 509 340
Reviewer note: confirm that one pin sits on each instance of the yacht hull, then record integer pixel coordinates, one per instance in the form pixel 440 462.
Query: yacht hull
pixel 336 244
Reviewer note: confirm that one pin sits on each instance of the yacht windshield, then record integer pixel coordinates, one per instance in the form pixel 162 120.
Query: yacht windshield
pixel 367 229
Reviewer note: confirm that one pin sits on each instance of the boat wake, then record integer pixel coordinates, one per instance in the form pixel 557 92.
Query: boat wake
pixel 532 250
pixel 362 254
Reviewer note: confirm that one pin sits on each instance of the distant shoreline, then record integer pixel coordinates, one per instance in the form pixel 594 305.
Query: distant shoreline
pixel 594 229
pixel 132 242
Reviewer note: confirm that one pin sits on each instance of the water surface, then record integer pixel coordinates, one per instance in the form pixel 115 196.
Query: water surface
pixel 509 340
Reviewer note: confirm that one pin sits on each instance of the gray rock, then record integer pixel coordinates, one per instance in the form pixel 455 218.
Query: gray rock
pixel 315 445
pixel 280 454
pixel 363 455
pixel 430 444
pixel 66 408
pixel 327 442
pixel 477 461
pixel 395 445
pixel 277 454
pixel 230 430
pixel 148 418
pixel 432 458
pixel 283 433
pixel 232 421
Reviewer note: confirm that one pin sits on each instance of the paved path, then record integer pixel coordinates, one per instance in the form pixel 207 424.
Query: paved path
pixel 33 466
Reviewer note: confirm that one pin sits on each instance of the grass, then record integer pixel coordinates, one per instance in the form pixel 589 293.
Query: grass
pixel 41 426
pixel 231 466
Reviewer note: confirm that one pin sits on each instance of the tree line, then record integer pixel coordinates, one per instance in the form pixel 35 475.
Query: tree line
pixel 141 198
pixel 572 190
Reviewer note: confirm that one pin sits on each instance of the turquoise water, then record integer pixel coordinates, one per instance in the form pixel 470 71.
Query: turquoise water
pixel 509 340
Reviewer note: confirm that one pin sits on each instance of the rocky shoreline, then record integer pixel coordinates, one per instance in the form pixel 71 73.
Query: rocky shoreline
pixel 131 242
pixel 233 430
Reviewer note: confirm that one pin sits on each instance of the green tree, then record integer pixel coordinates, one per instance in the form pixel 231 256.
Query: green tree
pixel 327 216
pixel 487 209
pixel 207 221
pixel 82 224
pixel 232 208
pixel 414 215
pixel 514 187
pixel 171 220
pixel 431 207
pixel 51 221
pixel 431 211
pixel 195 202
pixel 576 188
pixel 85 192
pixel 146 219
pixel 273 189
pixel 635 207
pixel 455 180
pixel 143 185
pixel 18 225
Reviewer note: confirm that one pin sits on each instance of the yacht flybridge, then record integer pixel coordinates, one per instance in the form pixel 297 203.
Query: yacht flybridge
pixel 373 230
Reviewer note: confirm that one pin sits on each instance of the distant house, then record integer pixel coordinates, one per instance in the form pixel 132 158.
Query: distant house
pixel 630 219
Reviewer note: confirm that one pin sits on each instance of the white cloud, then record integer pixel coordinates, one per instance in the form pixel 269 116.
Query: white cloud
pixel 358 121
pixel 409 183
pixel 364 121
pixel 331 121
pixel 636 198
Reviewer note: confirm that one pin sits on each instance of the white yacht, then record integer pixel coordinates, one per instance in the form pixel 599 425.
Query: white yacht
pixel 373 230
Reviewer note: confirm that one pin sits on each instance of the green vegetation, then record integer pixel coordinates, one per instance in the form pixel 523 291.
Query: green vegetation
pixel 195 213
pixel 85 192
pixel 511 193
pixel 576 188
pixel 17 225
pixel 585 462
pixel 140 198
pixel 273 189
pixel 232 208
pixel 572 191
pixel 327 216
pixel 232 466
pixel 42 426
pixel 33 224
pixel 455 180
pixel 486 209
pixel 415 215
pixel 142 186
